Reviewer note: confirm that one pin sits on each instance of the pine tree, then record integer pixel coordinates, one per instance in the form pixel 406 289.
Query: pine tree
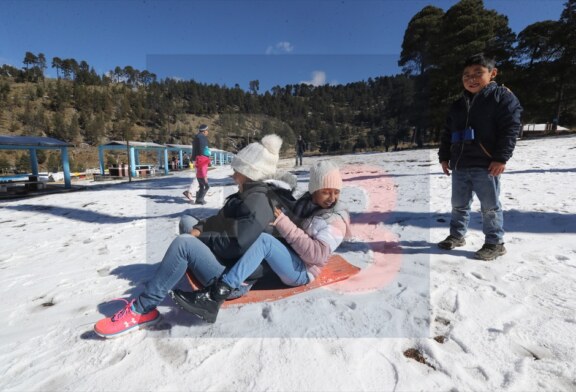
pixel 59 129
pixel 566 37
pixel 73 130
pixel 421 35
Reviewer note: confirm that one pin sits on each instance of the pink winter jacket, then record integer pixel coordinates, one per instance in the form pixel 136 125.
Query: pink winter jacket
pixel 318 238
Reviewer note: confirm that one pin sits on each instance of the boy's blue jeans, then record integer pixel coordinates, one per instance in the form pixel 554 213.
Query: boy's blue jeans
pixel 466 183
pixel 282 260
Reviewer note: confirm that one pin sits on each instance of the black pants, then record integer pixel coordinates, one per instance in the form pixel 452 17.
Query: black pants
pixel 299 157
pixel 203 188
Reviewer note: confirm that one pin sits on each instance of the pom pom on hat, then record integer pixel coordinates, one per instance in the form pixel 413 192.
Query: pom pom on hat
pixel 258 161
pixel 324 174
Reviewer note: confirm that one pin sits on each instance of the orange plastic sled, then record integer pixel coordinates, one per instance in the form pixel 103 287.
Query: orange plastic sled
pixel 335 270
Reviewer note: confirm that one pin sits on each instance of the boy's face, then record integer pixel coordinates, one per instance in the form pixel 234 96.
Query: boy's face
pixel 476 77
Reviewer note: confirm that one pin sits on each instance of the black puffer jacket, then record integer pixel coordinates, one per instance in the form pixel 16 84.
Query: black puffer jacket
pixel 238 224
pixel 494 114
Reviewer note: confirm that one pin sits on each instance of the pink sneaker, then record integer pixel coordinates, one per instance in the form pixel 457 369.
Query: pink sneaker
pixel 124 321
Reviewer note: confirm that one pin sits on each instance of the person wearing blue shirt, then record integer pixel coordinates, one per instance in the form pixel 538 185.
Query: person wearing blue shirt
pixel 201 157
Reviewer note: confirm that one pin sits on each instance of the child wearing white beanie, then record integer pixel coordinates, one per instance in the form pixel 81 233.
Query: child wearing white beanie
pixel 320 230
pixel 258 161
pixel 208 247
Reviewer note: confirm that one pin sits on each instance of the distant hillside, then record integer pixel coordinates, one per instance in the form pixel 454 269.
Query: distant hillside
pixel 361 115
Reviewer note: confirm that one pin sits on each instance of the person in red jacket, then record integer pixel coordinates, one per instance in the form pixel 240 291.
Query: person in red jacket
pixel 201 157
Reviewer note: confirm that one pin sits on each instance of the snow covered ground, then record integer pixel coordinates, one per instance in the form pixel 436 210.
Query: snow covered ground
pixel 541 127
pixel 505 325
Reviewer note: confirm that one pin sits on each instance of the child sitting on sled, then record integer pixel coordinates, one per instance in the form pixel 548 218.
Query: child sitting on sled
pixel 320 224
pixel 211 245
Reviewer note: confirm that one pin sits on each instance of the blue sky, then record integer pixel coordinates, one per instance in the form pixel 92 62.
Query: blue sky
pixel 277 42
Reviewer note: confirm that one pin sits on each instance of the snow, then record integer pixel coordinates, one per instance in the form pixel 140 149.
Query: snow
pixel 541 127
pixel 508 324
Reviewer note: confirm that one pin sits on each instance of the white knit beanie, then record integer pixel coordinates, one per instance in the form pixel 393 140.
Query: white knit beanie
pixel 258 161
pixel 324 174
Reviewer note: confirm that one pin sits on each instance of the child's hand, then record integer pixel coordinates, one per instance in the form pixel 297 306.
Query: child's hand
pixel 277 212
pixel 445 167
pixel 496 168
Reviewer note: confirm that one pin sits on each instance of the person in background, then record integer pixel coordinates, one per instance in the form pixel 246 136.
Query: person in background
pixel 210 245
pixel 319 225
pixel 201 157
pixel 300 148
pixel 477 142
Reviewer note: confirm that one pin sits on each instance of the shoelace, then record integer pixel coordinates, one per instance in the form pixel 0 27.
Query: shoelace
pixel 122 311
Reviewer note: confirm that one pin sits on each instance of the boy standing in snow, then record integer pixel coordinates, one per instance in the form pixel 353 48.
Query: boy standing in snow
pixel 478 139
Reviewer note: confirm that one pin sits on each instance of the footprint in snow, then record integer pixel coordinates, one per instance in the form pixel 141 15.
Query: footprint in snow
pixel 5 257
pixel 104 271
pixel 478 373
pixel 498 292
pixel 442 320
pixel 266 313
pixel 174 354
pixel 505 328
pixel 530 350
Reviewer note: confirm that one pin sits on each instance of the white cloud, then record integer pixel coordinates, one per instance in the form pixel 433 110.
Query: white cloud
pixel 285 46
pixel 280 47
pixel 318 79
